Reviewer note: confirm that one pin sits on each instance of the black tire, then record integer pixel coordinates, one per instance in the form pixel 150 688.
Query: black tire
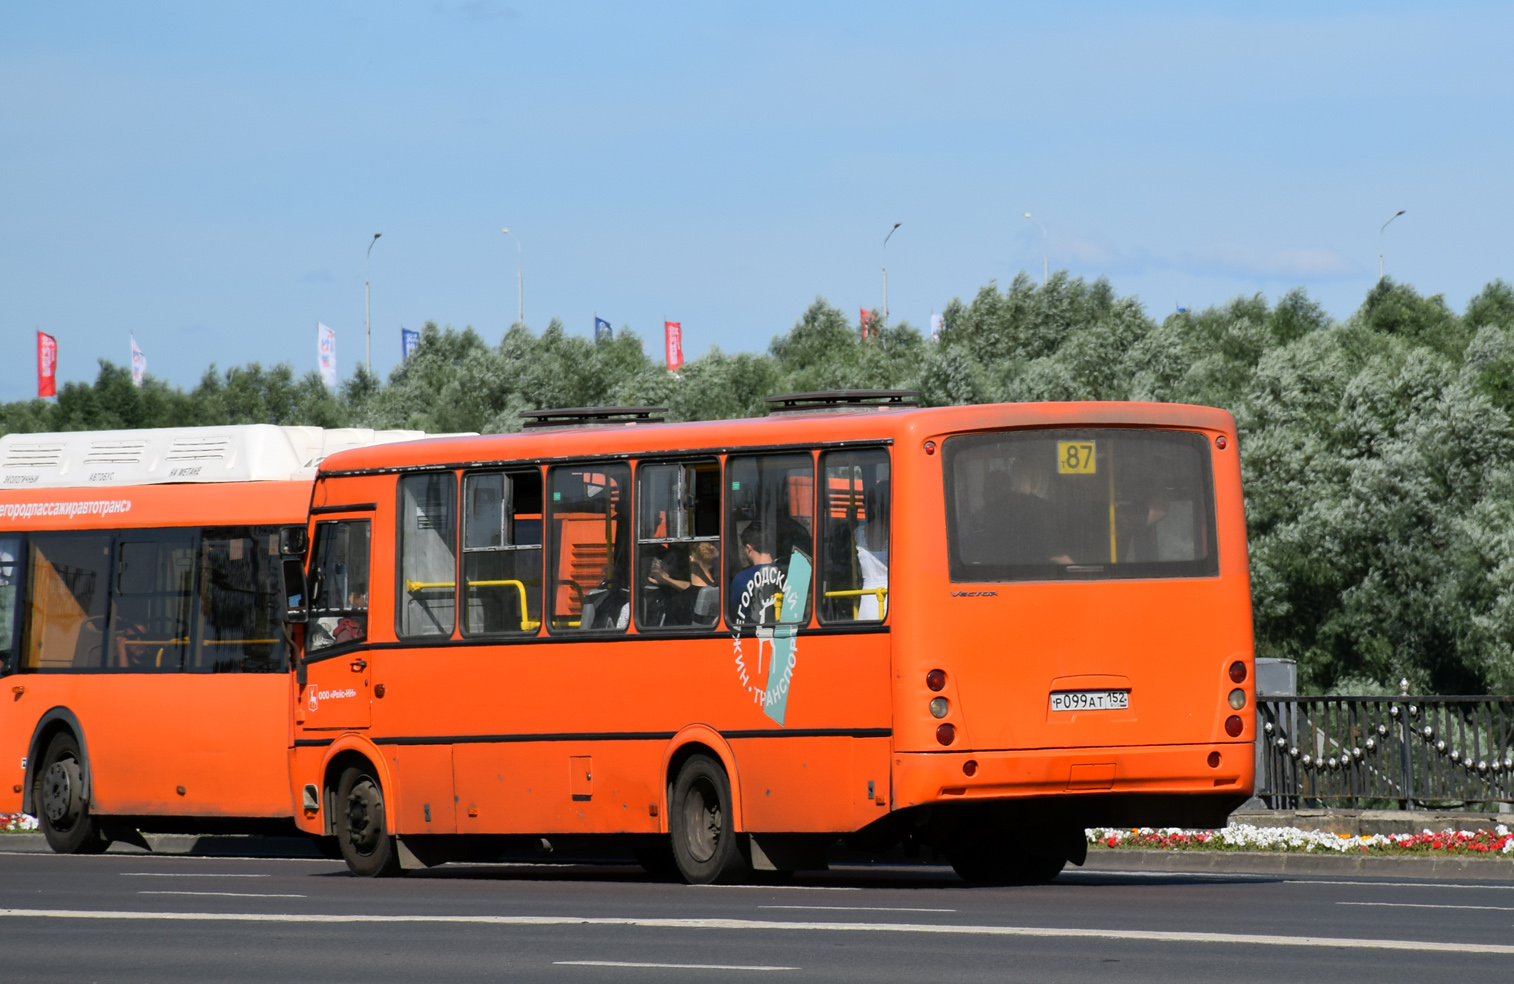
pixel 704 839
pixel 362 834
pixel 998 861
pixel 62 810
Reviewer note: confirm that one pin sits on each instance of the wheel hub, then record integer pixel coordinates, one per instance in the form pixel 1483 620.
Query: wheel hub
pixel 60 793
pixel 702 822
pixel 365 811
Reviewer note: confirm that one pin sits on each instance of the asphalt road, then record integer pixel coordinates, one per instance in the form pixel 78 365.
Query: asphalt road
pixel 124 917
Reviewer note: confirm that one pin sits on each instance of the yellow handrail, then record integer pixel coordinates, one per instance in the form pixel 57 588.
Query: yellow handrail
pixel 880 593
pixel 526 624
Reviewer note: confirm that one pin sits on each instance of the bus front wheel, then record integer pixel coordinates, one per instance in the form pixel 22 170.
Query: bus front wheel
pixel 62 809
pixel 703 834
pixel 361 832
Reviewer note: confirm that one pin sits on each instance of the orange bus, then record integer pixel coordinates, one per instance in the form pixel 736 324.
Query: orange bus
pixel 145 660
pixel 973 629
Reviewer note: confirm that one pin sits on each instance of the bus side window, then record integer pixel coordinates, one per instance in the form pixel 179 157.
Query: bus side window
pixel 854 536
pixel 339 584
pixel 428 555
pixel 240 602
pixel 10 590
pixel 678 544
pixel 770 540
pixel 68 595
pixel 502 552
pixel 591 546
pixel 150 610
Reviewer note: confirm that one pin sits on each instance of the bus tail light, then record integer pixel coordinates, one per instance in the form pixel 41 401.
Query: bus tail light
pixel 1233 726
pixel 970 768
pixel 1237 698
pixel 946 734
pixel 939 707
pixel 1237 672
pixel 1214 760
pixel 935 680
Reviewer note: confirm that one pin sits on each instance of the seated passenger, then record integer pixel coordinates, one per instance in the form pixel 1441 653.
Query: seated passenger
pixel 755 588
pixel 1024 526
pixel 681 575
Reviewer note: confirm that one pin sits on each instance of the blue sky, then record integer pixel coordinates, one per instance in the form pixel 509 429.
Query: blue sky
pixel 208 176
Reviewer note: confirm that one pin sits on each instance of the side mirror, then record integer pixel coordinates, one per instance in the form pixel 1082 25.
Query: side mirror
pixel 296 605
pixel 293 541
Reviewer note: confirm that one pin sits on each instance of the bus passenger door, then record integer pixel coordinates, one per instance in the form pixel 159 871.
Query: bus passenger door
pixel 336 695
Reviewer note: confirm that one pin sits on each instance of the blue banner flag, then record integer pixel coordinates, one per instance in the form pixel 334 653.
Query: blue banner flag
pixel 602 330
pixel 409 342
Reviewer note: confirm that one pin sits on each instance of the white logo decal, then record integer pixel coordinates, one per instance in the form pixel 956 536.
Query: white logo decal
pixel 773 611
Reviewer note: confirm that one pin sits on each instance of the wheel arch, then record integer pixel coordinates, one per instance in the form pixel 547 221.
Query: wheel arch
pixel 354 750
pixel 692 740
pixel 53 722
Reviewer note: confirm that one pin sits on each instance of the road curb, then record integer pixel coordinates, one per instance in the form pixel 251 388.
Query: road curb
pixel 1299 863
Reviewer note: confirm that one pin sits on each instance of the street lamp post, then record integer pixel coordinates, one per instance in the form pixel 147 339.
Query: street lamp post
pixel 1045 251
pixel 1380 242
pixel 367 308
pixel 885 268
pixel 520 316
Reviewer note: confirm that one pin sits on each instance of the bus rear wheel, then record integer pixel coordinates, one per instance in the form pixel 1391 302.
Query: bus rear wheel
pixel 997 861
pixel 361 831
pixel 703 826
pixel 62 810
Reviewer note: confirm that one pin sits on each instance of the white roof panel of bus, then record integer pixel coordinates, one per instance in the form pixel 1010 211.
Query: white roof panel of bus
pixel 241 453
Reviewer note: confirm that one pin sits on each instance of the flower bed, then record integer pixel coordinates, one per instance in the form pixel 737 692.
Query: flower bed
pixel 1244 837
pixel 15 823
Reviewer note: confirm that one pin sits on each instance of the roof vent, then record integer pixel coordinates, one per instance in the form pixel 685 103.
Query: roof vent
pixel 843 401
pixel 116 452
pixel 33 456
pixel 198 448
pixel 591 417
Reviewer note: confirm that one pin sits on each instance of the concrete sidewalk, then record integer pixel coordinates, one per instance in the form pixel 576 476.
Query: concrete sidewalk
pixel 1460 867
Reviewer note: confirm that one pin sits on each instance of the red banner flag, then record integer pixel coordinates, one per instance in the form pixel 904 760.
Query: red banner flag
pixel 47 364
pixel 867 316
pixel 673 336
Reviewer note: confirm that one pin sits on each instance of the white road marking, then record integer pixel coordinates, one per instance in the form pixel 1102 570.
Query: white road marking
pixel 1043 932
pixel 238 895
pixel 183 874
pixel 662 966
pixel 1426 905
pixel 1378 884
pixel 855 908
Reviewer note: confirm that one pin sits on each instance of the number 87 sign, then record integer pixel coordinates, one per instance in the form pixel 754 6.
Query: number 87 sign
pixel 1076 458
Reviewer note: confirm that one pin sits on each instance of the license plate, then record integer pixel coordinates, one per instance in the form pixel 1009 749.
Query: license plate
pixel 1090 700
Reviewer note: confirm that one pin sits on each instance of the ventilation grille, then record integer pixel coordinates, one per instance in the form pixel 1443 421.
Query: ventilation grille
pixel 115 453
pixel 33 456
pixel 198 449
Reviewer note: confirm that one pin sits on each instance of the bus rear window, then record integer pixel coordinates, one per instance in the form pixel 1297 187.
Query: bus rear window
pixel 1081 504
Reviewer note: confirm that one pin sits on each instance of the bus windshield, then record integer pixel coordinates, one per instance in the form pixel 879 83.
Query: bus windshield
pixel 1082 504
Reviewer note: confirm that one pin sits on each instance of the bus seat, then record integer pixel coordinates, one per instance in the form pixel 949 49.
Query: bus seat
pixel 707 605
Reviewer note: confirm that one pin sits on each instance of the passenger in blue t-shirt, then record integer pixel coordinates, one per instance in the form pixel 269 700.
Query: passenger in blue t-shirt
pixel 755 588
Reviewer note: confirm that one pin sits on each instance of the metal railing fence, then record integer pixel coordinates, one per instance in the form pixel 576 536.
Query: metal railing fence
pixel 1401 752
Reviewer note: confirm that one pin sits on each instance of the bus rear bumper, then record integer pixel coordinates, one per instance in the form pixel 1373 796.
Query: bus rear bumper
pixel 1219 769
